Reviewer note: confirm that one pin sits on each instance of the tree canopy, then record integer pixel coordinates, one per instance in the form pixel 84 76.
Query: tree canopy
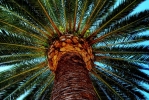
pixel 29 27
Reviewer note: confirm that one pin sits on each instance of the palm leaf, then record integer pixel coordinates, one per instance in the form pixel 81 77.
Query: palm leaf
pixel 118 13
pixel 117 85
pixel 128 25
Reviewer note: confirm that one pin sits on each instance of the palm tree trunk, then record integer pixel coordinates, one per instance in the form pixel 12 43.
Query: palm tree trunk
pixel 72 81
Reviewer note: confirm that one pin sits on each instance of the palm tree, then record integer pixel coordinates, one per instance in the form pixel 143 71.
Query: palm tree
pixel 73 49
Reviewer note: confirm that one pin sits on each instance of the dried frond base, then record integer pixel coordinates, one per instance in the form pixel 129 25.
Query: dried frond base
pixel 69 43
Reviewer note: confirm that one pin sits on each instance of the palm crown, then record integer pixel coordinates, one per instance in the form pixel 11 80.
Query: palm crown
pixel 29 27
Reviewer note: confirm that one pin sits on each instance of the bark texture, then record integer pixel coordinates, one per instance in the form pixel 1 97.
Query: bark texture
pixel 72 81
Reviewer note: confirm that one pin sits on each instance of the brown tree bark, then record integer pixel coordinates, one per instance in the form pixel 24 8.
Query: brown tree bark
pixel 72 81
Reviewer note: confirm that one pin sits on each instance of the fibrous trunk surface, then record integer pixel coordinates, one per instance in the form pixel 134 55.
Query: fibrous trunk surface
pixel 72 81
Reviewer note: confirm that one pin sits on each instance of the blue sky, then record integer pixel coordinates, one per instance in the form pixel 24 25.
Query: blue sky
pixel 143 6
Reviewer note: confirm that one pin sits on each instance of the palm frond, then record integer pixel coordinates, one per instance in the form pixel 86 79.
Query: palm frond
pixel 127 67
pixel 49 18
pixel 127 89
pixel 16 29
pixel 41 90
pixel 83 12
pixel 32 15
pixel 121 11
pixel 7 37
pixel 24 85
pixel 100 9
pixel 137 22
pixel 19 70
pixel 107 85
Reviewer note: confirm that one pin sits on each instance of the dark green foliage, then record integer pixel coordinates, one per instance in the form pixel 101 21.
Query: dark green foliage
pixel 29 27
